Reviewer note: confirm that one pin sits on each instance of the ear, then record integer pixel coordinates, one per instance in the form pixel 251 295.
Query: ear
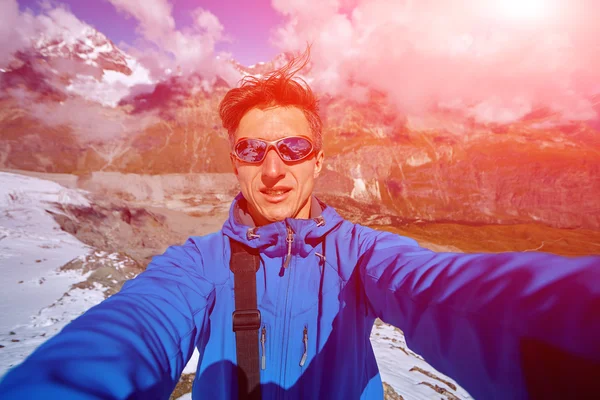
pixel 319 163
pixel 233 164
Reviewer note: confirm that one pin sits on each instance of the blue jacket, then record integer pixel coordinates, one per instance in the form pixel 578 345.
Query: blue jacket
pixel 487 320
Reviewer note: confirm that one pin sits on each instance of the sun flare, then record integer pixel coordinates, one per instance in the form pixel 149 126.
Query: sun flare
pixel 524 10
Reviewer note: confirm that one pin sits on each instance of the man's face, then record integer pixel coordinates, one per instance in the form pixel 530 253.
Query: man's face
pixel 276 189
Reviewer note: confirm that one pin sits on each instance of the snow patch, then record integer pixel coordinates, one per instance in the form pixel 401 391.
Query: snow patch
pixel 534 217
pixel 395 361
pixel 113 86
pixel 364 190
pixel 192 364
pixel 416 160
pixel 378 131
pixel 19 192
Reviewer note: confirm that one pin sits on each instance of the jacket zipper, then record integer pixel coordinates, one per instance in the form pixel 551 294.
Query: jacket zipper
pixel 289 239
pixel 305 340
pixel 263 340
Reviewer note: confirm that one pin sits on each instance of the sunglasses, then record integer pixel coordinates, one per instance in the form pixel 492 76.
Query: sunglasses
pixel 291 149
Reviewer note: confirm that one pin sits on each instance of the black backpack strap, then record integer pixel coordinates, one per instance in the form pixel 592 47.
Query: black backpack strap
pixel 244 263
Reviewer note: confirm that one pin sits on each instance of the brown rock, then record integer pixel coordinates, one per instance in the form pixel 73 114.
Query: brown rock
pixel 390 394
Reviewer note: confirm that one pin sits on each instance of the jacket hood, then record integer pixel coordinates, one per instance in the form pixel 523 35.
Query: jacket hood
pixel 240 226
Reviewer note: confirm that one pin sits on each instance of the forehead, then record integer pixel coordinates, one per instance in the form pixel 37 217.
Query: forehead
pixel 273 123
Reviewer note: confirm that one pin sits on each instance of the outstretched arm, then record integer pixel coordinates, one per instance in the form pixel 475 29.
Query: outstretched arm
pixel 134 344
pixel 505 326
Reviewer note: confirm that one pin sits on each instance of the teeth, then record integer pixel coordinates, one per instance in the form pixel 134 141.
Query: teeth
pixel 275 192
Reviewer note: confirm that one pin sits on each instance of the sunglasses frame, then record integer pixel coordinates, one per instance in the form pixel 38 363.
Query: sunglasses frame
pixel 273 144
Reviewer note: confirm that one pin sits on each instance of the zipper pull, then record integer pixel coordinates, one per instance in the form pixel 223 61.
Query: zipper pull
pixel 305 340
pixel 263 339
pixel 289 239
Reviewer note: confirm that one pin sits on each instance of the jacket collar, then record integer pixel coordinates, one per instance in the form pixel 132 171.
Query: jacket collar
pixel 241 228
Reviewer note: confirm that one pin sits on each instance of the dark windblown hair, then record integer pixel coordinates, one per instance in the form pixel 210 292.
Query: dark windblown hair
pixel 279 88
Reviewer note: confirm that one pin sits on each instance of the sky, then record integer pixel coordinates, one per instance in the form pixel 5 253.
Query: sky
pixel 489 61
pixel 248 24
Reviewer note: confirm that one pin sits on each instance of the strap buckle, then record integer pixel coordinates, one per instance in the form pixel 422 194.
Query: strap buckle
pixel 246 320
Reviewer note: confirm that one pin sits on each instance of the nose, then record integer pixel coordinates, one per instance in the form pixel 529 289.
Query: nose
pixel 273 167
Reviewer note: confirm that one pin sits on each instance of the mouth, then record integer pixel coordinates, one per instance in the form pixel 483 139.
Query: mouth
pixel 275 195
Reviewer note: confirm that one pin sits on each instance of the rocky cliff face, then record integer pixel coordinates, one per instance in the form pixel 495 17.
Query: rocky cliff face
pixel 489 174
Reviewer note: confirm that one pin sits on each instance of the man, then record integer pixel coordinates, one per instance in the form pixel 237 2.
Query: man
pixel 505 326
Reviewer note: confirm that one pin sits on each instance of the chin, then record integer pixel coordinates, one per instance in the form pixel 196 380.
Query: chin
pixel 276 215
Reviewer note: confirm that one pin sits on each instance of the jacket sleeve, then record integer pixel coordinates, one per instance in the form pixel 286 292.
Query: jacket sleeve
pixel 133 345
pixel 504 326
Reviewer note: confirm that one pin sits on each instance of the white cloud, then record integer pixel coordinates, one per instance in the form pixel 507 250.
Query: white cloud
pixel 498 59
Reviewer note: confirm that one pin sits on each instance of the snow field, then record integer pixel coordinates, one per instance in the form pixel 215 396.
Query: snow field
pixel 32 249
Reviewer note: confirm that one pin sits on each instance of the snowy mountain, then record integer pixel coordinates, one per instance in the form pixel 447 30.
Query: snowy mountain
pixel 90 47
pixel 83 62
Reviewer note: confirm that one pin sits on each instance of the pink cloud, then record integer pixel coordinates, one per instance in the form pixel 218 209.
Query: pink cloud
pixel 208 23
pixel 186 50
pixel 58 22
pixel 154 16
pixel 493 60
pixel 89 120
pixel 14 30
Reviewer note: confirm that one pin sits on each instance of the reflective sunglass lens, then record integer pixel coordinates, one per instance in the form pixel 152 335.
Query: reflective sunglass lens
pixel 294 148
pixel 251 150
pixel 289 149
